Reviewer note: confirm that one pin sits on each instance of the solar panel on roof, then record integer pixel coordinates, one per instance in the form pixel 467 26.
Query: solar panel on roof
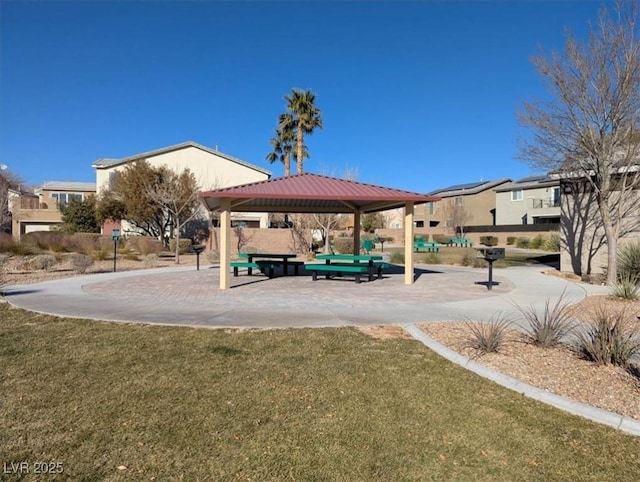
pixel 532 179
pixel 459 187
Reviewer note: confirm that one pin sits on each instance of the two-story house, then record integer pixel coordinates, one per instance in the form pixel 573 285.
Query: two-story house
pixel 213 170
pixel 475 202
pixel 530 200
pixel 40 210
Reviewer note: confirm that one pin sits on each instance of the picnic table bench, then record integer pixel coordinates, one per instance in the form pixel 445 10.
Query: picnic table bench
pixel 420 243
pixel 266 263
pixel 340 264
pixel 459 242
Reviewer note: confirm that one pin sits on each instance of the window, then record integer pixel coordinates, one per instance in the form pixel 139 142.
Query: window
pixel 516 195
pixel 62 198
pixel 458 200
pixel 432 207
pixel 556 197
pixel 419 224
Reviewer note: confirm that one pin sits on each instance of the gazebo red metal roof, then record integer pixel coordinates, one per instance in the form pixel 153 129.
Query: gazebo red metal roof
pixel 311 193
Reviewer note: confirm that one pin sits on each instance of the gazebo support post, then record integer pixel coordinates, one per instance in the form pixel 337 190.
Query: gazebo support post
pixel 356 231
pixel 225 244
pixel 408 243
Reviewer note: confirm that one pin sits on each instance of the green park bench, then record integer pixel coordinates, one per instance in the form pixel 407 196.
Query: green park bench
pixel 339 269
pixel 420 243
pixel 459 242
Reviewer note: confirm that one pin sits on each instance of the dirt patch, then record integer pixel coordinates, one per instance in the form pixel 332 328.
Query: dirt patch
pixel 384 332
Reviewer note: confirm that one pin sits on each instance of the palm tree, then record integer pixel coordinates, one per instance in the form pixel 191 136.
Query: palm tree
pixel 282 144
pixel 304 117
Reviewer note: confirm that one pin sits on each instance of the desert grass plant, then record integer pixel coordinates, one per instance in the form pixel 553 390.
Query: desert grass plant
pixel 627 289
pixel 551 326
pixel 150 260
pixel 80 262
pixel 551 242
pixel 629 262
pixel 488 337
pixel 101 254
pixel 432 258
pixel 397 257
pixel 610 338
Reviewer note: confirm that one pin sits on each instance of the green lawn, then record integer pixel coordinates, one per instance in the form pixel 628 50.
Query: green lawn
pixel 300 404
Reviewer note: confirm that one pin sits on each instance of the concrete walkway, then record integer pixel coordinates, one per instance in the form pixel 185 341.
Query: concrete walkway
pixel 185 297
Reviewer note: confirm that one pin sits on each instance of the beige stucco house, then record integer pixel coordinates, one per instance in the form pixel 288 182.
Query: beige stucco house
pixel 477 200
pixel 531 200
pixel 40 210
pixel 213 170
pixel 584 247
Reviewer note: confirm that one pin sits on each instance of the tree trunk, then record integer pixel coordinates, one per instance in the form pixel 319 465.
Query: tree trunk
pixel 300 143
pixel 177 256
pixel 327 245
pixel 287 165
pixel 612 242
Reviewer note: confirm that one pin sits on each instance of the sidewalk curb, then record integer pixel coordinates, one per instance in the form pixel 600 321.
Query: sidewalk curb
pixel 598 415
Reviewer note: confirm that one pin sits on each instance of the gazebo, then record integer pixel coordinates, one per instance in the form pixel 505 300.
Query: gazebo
pixel 311 193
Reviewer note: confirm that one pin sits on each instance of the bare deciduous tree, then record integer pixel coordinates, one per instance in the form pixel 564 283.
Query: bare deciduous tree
pixel 456 216
pixel 177 194
pixel 590 131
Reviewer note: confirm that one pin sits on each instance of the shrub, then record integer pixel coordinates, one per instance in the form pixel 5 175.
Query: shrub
pixel 489 337
pixel 548 328
pixel 81 262
pixel 85 242
pixel 131 257
pixel 101 254
pixel 610 338
pixel 183 247
pixel 145 245
pixel 343 245
pixel 470 258
pixel 106 242
pixel 441 238
pixel 7 244
pixel 522 243
pixel 49 240
pixel 3 262
pixel 536 242
pixel 43 261
pixel 150 260
pixel 432 258
pixel 511 240
pixel 629 262
pixel 626 289
pixel 551 242
pixel 489 240
pixel 396 257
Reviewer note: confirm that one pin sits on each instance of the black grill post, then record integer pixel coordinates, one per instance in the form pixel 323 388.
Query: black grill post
pixel 490 255
pixel 197 248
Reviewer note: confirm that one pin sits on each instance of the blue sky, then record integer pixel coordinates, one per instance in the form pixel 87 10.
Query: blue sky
pixel 414 95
